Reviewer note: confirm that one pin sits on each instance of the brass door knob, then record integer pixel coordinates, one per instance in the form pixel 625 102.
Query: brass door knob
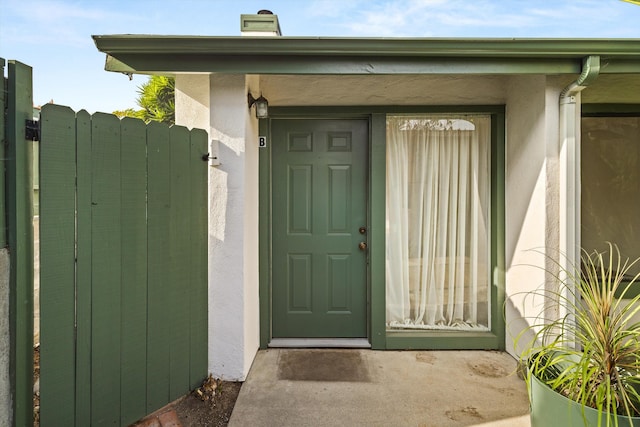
pixel 362 246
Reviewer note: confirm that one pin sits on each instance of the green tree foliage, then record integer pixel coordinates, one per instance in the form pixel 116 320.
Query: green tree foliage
pixel 156 98
pixel 129 112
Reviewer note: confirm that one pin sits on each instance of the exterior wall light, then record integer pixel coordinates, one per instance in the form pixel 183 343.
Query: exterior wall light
pixel 262 105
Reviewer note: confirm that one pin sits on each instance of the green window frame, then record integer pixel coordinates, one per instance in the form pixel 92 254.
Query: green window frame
pixel 613 111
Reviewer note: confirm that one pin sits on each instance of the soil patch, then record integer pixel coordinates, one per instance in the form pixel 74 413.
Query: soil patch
pixel 210 405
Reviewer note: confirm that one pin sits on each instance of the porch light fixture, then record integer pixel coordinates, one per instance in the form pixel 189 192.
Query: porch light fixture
pixel 262 105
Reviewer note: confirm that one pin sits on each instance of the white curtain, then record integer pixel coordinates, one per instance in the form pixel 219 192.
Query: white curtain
pixel 438 187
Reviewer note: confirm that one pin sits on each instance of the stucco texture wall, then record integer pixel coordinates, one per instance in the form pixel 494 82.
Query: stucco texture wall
pixel 529 163
pixel 218 104
pixel 233 228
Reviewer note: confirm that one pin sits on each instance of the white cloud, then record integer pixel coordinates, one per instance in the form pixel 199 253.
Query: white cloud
pixel 332 8
pixel 56 11
pixel 55 22
pixel 426 17
pixel 461 18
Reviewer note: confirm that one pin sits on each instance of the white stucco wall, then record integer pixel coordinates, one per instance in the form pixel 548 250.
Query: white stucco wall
pixel 530 197
pixel 218 103
pixel 192 100
pixel 233 227
pixel 5 384
pixel 251 229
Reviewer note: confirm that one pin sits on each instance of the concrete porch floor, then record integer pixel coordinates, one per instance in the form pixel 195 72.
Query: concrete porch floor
pixel 330 387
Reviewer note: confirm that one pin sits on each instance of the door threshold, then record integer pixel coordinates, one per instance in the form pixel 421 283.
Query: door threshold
pixel 319 343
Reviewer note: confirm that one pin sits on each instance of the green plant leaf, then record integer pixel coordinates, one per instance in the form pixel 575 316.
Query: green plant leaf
pixel 592 354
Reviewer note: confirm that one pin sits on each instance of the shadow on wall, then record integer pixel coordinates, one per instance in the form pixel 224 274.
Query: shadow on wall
pixel 525 170
pixel 519 334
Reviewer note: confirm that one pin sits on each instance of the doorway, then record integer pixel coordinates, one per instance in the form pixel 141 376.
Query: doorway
pixel 319 228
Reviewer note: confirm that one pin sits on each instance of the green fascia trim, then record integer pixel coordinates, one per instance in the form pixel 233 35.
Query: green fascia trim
pixel 112 64
pixel 395 47
pixel 300 55
pixel 610 110
pixel 619 66
pixel 323 65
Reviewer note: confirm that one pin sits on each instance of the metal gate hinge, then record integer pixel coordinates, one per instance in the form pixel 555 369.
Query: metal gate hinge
pixel 32 130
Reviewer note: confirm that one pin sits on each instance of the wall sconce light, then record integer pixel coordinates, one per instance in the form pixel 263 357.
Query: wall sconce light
pixel 262 105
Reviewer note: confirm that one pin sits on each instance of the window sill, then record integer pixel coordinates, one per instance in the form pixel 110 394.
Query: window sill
pixel 443 340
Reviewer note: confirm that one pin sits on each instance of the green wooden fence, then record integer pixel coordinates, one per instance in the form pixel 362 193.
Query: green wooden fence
pixel 16 204
pixel 123 266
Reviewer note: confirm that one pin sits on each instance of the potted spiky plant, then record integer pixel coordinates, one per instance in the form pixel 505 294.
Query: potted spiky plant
pixel 584 368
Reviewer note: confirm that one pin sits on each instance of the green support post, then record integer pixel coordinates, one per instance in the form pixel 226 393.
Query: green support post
pixel 3 105
pixel 20 238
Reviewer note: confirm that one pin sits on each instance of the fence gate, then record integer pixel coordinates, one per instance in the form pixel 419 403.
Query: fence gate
pixel 123 266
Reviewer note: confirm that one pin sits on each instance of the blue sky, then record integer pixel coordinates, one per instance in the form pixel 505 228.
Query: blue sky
pixel 54 37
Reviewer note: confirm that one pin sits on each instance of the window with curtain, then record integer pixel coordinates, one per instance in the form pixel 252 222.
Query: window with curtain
pixel 437 222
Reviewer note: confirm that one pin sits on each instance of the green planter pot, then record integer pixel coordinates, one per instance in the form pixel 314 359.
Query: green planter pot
pixel 551 409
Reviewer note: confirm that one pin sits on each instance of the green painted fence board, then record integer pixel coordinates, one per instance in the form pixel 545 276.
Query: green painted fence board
pixel 83 269
pixel 124 271
pixel 57 267
pixel 3 105
pixel 158 201
pixel 198 258
pixel 179 243
pixel 133 183
pixel 19 206
pixel 105 270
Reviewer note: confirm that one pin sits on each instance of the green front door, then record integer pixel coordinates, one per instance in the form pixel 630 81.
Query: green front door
pixel 319 287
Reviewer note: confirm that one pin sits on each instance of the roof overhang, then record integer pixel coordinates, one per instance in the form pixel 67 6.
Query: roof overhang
pixel 153 54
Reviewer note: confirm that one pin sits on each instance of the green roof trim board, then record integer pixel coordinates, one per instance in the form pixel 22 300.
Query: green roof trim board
pixel 330 55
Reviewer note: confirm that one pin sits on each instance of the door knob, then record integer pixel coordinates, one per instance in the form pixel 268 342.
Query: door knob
pixel 362 246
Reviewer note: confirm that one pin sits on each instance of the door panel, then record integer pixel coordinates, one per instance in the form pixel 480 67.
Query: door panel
pixel 319 203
